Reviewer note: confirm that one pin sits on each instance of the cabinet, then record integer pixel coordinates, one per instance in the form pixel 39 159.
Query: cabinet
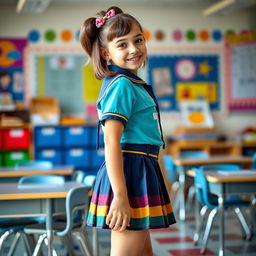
pixel 69 145
pixel 248 149
pixel 213 148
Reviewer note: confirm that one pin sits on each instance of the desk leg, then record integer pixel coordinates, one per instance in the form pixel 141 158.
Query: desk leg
pixel 221 224
pixel 49 225
pixel 196 235
pixel 95 242
pixel 182 213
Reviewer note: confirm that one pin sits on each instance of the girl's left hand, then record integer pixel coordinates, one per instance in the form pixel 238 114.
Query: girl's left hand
pixel 119 215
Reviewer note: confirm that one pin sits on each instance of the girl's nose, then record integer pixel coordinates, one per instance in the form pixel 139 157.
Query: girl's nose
pixel 133 48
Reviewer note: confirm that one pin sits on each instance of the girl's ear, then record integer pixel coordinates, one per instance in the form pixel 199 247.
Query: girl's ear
pixel 104 54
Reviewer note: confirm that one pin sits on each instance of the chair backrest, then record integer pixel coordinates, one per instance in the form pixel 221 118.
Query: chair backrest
pixel 77 200
pixel 169 168
pixel 89 180
pixel 78 176
pixel 202 187
pixel 223 167
pixel 42 179
pixel 193 154
pixel 253 166
pixel 41 164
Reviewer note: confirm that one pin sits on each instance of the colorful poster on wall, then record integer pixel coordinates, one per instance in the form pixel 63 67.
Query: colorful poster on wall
pixel 11 72
pixel 185 77
pixel 241 51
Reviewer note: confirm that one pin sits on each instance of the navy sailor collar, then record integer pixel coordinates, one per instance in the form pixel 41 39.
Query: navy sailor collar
pixel 127 74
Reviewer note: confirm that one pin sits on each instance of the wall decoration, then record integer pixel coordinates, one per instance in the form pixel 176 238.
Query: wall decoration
pixel 196 114
pixel 241 56
pixel 57 72
pixel 147 34
pixel 187 73
pixel 33 36
pixel 66 35
pixel 216 35
pixel 204 35
pixel 11 72
pixel 159 35
pixel 50 35
pixel 190 35
pixel 177 35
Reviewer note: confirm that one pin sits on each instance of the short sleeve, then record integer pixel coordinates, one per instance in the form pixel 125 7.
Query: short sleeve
pixel 118 101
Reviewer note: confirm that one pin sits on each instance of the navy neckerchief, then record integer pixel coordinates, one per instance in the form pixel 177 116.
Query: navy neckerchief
pixel 135 79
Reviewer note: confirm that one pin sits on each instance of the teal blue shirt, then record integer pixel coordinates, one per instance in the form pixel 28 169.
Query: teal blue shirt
pixel 127 101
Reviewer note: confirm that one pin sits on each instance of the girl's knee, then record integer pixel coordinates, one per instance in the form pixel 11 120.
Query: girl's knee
pixel 128 243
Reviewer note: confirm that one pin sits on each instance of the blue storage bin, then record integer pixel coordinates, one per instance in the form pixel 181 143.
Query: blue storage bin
pixel 53 155
pixel 76 136
pixel 47 136
pixel 98 157
pixel 78 157
pixel 94 137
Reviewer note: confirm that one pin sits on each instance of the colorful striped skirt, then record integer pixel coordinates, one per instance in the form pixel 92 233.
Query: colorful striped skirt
pixel 148 197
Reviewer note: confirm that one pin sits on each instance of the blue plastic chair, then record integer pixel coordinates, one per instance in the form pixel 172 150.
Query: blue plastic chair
pixel 253 166
pixel 171 173
pixel 211 203
pixel 41 164
pixel 42 179
pixel 193 154
pixel 196 154
pixel 76 205
pixel 10 226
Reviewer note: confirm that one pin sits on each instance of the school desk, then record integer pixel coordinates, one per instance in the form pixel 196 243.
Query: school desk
pixel 12 174
pixel 37 200
pixel 222 183
pixel 184 163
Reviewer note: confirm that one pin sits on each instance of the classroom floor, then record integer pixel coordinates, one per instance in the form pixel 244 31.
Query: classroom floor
pixel 178 240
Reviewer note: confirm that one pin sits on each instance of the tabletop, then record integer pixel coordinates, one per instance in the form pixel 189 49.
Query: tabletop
pixel 212 160
pixel 6 172
pixel 14 191
pixel 220 176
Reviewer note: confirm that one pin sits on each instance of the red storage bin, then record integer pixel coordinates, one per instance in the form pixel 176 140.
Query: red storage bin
pixel 16 138
pixel 1 139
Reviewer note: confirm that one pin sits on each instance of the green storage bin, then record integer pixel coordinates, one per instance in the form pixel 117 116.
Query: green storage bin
pixel 1 159
pixel 13 157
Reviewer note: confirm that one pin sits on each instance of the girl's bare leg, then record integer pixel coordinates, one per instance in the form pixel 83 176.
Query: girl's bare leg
pixel 148 250
pixel 128 242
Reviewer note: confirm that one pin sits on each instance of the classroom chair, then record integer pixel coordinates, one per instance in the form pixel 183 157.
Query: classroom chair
pixel 210 202
pixel 76 201
pixel 172 175
pixel 15 226
pixel 253 166
pixel 41 164
pixel 196 154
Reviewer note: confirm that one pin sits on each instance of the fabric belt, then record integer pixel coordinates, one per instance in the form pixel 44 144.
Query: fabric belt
pixel 142 149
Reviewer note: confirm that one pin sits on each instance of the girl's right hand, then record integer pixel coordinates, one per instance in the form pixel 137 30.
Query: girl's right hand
pixel 119 214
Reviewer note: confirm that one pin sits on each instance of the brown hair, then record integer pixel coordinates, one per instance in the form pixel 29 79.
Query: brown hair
pixel 93 39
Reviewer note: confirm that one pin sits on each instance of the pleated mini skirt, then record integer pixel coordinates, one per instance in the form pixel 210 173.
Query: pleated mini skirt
pixel 149 200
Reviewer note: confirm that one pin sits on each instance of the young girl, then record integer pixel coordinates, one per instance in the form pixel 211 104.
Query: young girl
pixel 129 194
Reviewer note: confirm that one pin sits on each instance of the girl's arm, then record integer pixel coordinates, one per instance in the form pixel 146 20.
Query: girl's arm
pixel 119 213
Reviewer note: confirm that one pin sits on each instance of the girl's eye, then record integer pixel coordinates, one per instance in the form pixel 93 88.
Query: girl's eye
pixel 139 40
pixel 122 45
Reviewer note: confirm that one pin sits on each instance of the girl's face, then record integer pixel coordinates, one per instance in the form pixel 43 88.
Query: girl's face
pixel 128 51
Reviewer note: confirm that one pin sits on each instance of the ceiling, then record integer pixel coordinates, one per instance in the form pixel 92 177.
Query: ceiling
pixel 37 6
pixel 118 2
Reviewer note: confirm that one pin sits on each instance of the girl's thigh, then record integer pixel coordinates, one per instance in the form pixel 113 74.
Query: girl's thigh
pixel 128 242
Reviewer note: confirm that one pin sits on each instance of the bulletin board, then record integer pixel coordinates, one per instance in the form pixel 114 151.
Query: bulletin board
pixel 11 65
pixel 188 73
pixel 61 72
pixel 241 57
